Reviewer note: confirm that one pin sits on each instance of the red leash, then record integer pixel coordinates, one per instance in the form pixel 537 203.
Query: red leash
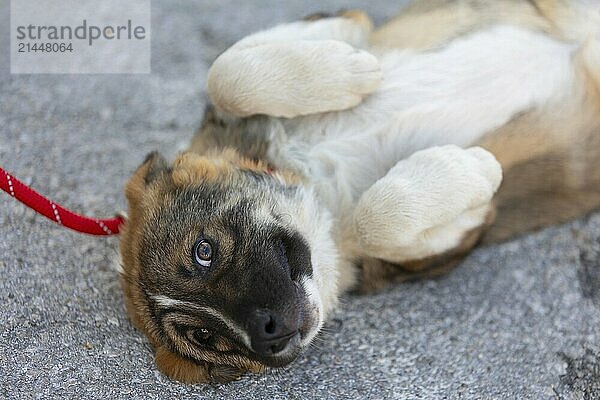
pixel 56 213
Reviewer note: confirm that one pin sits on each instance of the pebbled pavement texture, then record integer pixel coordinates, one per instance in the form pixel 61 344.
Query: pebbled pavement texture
pixel 516 320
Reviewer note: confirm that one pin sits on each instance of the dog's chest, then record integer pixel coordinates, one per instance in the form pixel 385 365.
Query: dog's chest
pixel 454 95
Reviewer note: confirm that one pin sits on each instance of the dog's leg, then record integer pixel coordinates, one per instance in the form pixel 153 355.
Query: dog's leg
pixel 427 205
pixel 301 68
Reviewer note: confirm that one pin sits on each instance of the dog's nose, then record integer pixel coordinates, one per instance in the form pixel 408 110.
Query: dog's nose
pixel 270 335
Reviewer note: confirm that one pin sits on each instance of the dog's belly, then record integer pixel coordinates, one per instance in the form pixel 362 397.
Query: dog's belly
pixel 454 95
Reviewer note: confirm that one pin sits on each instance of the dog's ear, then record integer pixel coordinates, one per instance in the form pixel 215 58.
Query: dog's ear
pixel 153 167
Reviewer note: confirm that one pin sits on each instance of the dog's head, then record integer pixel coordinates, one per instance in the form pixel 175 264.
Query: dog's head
pixel 227 268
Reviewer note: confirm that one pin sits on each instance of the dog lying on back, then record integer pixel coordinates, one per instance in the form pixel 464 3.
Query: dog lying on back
pixel 335 156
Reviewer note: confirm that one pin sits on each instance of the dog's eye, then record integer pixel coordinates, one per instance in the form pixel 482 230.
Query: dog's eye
pixel 199 336
pixel 203 253
pixel 202 335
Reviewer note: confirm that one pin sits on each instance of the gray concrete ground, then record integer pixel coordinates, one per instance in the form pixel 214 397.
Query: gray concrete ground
pixel 517 320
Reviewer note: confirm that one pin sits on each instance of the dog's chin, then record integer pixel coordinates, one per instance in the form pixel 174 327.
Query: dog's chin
pixel 283 359
pixel 296 346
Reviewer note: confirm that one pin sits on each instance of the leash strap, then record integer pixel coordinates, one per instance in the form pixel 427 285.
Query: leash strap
pixel 55 212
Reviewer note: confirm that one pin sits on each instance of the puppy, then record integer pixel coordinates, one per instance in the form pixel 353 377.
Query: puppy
pixel 335 156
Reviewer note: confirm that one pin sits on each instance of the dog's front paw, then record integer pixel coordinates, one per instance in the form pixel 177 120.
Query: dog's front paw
pixel 289 79
pixel 426 203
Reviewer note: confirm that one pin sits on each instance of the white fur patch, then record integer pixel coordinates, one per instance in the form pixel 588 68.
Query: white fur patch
pixel 312 291
pixel 472 86
pixel 315 225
